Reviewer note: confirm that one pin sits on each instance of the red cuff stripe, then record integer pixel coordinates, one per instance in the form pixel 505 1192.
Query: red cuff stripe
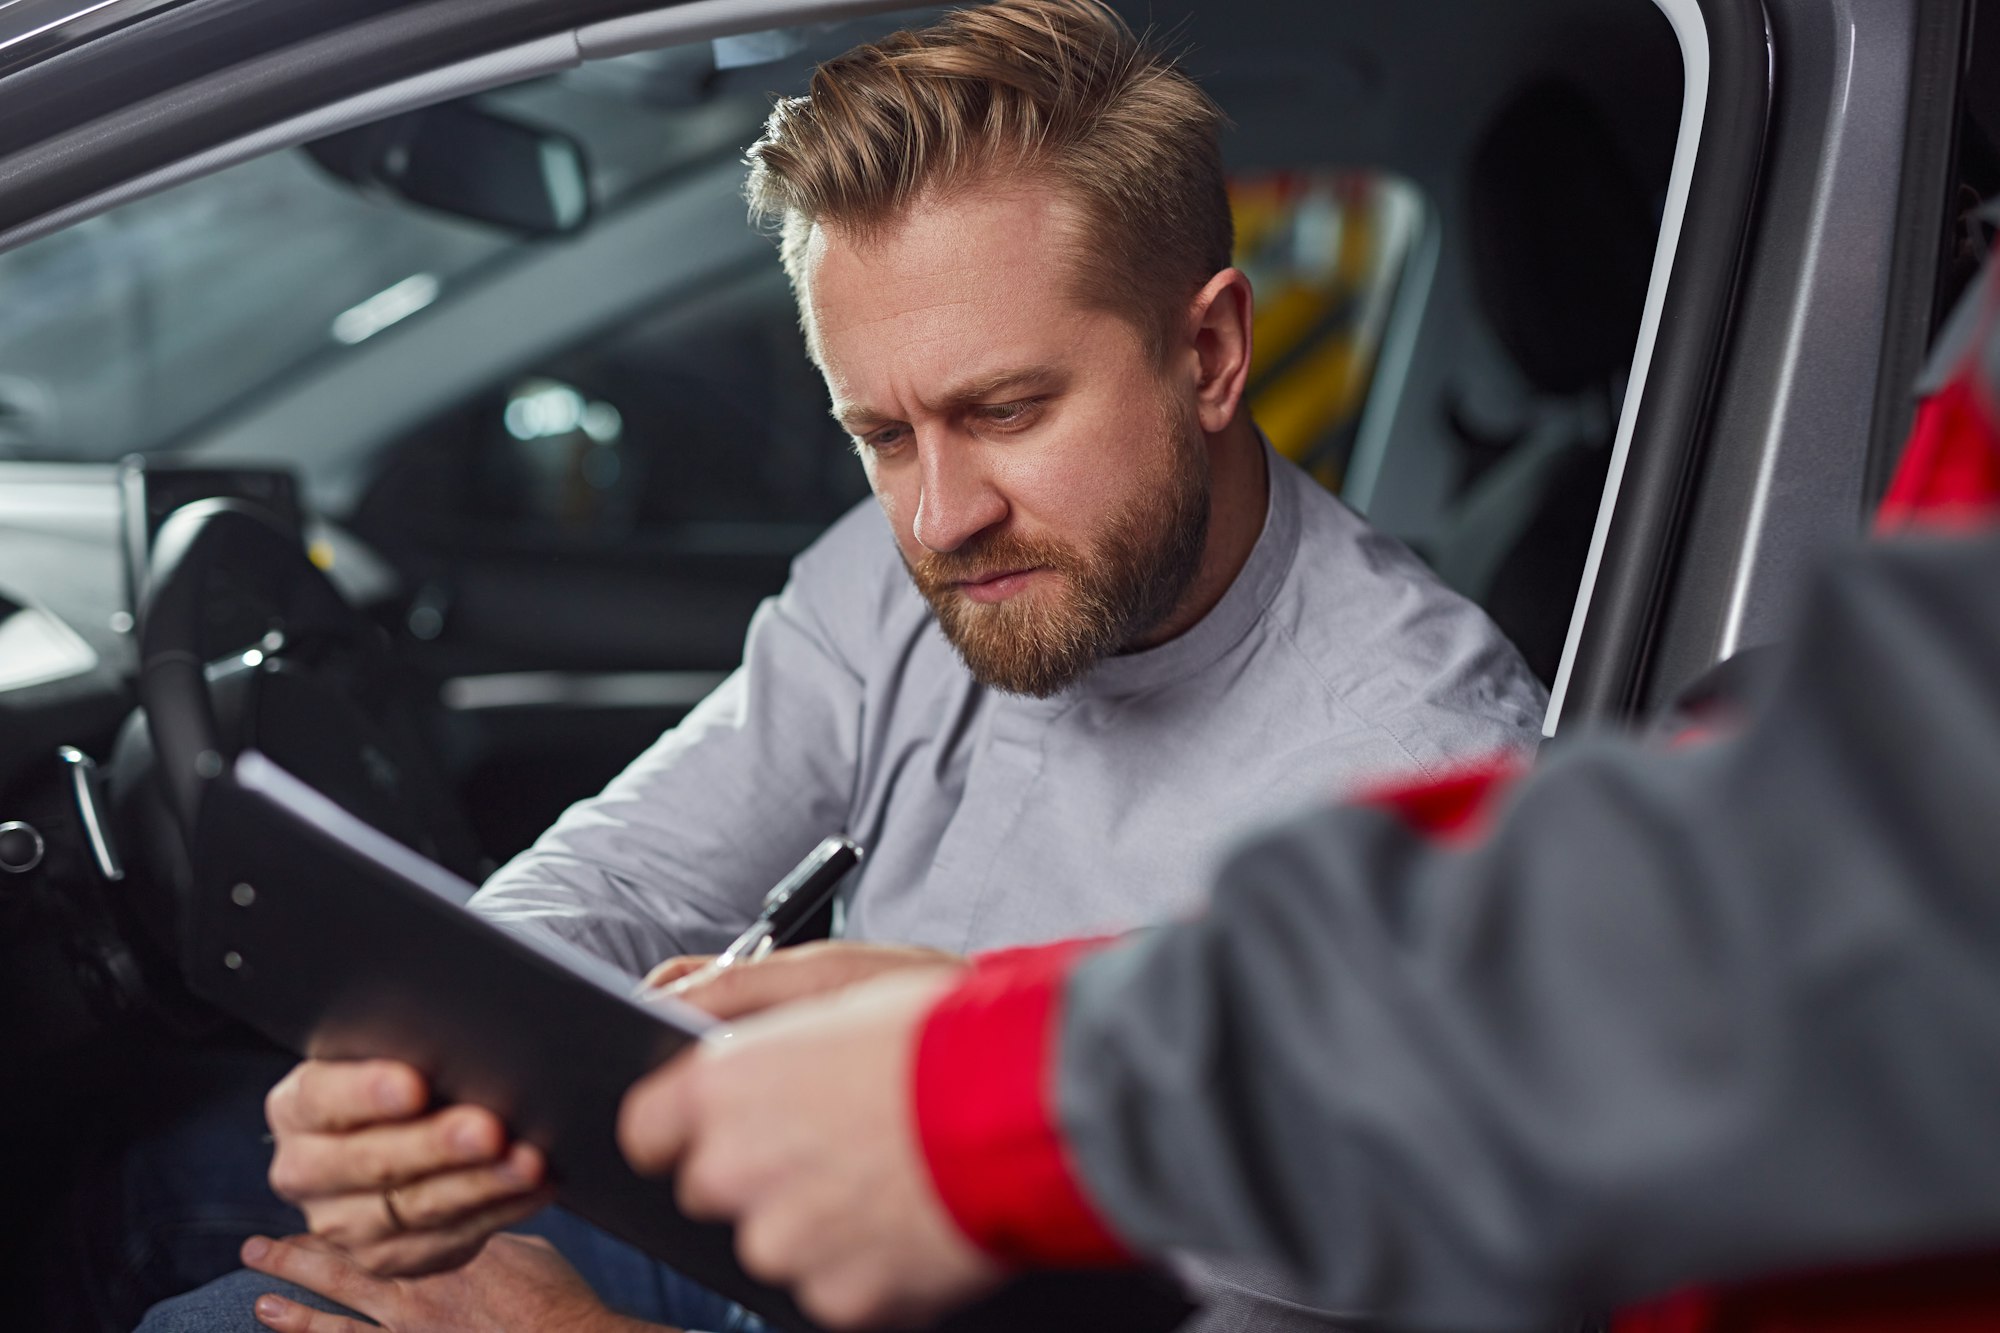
pixel 1949 478
pixel 1949 474
pixel 985 1108
pixel 1454 809
pixel 1060 954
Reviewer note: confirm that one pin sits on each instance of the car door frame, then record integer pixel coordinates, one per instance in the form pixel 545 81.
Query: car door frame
pixel 1810 371
pixel 1658 448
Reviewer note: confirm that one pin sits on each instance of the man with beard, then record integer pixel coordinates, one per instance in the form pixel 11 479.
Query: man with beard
pixel 1010 241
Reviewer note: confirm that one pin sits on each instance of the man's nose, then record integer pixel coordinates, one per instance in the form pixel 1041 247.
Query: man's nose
pixel 958 500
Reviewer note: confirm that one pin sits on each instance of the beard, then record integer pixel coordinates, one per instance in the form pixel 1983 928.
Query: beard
pixel 1106 596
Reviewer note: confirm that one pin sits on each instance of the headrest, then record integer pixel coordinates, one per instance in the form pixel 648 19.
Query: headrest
pixel 1562 238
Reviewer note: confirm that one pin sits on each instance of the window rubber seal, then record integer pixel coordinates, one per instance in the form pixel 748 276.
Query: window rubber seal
pixel 1726 44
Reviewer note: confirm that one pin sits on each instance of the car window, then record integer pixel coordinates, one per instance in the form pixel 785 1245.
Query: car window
pixel 1326 252
pixel 1450 222
pixel 125 333
pixel 713 431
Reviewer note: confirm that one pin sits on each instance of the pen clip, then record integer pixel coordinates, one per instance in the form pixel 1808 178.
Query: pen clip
pixel 785 907
pixel 748 947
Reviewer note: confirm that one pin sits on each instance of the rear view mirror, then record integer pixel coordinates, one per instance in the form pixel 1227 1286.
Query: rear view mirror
pixel 471 163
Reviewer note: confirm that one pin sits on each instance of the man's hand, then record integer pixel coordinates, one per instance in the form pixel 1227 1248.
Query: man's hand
pixel 797 1126
pixel 793 974
pixel 403 1191
pixel 518 1284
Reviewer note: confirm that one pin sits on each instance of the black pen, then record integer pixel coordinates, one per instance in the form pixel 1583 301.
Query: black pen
pixel 786 907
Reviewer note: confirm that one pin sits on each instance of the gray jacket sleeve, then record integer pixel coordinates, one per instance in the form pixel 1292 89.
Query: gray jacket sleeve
pixel 1681 1015
pixel 677 852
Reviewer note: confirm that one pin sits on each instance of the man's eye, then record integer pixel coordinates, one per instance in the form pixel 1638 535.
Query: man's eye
pixel 1011 414
pixel 884 440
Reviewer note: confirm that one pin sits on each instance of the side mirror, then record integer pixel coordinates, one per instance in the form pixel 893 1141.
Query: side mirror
pixel 468 162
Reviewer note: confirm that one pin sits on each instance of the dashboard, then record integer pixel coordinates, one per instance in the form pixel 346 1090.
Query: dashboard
pixel 73 539
pixel 89 856
pixel 62 563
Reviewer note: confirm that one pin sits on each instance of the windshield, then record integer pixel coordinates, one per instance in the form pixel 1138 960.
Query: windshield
pixel 128 331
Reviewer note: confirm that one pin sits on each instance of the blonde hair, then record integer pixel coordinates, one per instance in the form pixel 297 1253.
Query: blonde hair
pixel 1059 91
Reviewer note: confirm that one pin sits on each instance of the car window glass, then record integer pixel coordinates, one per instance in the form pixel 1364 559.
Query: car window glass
pixel 710 431
pixel 128 331
pixel 122 332
pixel 1325 251
pixel 1449 218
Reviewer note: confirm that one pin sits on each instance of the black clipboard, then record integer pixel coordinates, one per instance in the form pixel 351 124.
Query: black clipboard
pixel 337 941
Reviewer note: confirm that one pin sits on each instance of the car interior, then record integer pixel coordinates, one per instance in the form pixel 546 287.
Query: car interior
pixel 450 454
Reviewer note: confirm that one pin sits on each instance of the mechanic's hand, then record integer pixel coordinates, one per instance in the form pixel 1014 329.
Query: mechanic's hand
pixel 792 974
pixel 402 1190
pixel 518 1283
pixel 797 1125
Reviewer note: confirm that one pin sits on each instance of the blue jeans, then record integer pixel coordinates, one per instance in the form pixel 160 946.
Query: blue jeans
pixel 190 1194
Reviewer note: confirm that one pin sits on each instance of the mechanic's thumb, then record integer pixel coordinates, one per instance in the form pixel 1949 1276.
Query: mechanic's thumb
pixel 657 1117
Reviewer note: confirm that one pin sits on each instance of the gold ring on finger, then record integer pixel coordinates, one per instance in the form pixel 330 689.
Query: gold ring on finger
pixel 396 1223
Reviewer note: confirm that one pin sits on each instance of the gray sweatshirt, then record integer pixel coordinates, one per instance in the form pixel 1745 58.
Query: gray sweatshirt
pixel 1724 1010
pixel 1334 661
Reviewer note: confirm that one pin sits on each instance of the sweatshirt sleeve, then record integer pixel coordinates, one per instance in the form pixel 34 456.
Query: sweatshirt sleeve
pixel 675 855
pixel 1672 1016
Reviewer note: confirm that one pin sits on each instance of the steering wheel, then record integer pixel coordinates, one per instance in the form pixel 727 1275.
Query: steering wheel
pixel 244 643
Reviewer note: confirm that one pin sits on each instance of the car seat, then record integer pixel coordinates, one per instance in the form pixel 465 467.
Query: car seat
pixel 1560 234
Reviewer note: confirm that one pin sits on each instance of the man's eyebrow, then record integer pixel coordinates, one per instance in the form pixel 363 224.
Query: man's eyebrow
pixel 972 391
pixel 987 386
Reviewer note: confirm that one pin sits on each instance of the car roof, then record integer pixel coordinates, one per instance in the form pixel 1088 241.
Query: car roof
pixel 32 30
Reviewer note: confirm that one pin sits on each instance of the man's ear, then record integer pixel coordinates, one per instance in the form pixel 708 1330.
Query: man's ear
pixel 1221 316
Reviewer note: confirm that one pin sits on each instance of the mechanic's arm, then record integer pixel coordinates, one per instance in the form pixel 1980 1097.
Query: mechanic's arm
pixel 1680 1016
